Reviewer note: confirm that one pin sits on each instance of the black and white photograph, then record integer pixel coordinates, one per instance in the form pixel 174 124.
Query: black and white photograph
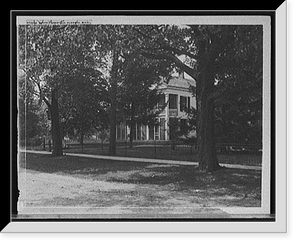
pixel 145 118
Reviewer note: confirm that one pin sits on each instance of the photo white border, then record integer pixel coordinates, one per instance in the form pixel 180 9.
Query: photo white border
pixel 278 226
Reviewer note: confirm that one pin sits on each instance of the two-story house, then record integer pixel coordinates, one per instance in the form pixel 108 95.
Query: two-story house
pixel 176 95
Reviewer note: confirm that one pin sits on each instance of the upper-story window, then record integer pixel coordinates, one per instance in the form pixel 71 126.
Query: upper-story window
pixel 173 101
pixel 185 102
pixel 161 103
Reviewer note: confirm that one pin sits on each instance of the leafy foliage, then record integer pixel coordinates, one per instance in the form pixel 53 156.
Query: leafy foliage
pixel 96 71
pixel 233 55
pixel 61 63
pixel 139 95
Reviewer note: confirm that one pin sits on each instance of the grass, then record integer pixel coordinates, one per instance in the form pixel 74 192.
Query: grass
pixel 73 165
pixel 226 187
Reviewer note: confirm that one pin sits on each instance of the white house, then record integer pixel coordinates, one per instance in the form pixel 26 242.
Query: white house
pixel 177 96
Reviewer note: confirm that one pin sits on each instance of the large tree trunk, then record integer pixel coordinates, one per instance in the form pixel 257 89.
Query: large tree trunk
pixel 207 156
pixel 55 126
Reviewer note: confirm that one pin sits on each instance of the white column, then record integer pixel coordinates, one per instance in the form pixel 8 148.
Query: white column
pixel 167 117
pixel 147 132
pixel 136 131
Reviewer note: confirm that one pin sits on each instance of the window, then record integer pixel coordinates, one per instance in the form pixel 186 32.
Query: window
pixel 161 102
pixel 134 132
pixel 156 132
pixel 173 101
pixel 151 132
pixel 162 129
pixel 184 103
pixel 143 132
pixel 138 131
pixel 161 105
pixel 118 132
pixel 122 131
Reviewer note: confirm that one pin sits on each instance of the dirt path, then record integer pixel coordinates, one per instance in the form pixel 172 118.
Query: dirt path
pixel 102 188
pixel 59 193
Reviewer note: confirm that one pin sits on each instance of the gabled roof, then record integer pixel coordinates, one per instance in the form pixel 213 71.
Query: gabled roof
pixel 180 83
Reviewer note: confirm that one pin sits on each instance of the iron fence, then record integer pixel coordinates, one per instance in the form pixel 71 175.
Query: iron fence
pixel 230 153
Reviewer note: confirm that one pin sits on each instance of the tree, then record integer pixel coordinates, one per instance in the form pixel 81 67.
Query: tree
pixel 49 55
pixel 111 40
pixel 28 117
pixel 216 57
pixel 37 61
pixel 83 104
pixel 239 110
pixel 140 97
pixel 130 77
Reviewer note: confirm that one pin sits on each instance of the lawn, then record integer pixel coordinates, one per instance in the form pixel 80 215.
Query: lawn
pixel 164 151
pixel 77 181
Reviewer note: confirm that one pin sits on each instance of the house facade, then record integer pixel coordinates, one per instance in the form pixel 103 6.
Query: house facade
pixel 176 96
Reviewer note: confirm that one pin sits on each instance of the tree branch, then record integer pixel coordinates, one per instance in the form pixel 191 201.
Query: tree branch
pixel 145 35
pixel 47 102
pixel 166 46
pixel 40 94
pixel 190 71
pixel 178 51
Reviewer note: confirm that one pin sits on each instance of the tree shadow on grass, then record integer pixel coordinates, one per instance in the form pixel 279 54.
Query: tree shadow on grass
pixel 75 165
pixel 237 182
pixel 186 178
